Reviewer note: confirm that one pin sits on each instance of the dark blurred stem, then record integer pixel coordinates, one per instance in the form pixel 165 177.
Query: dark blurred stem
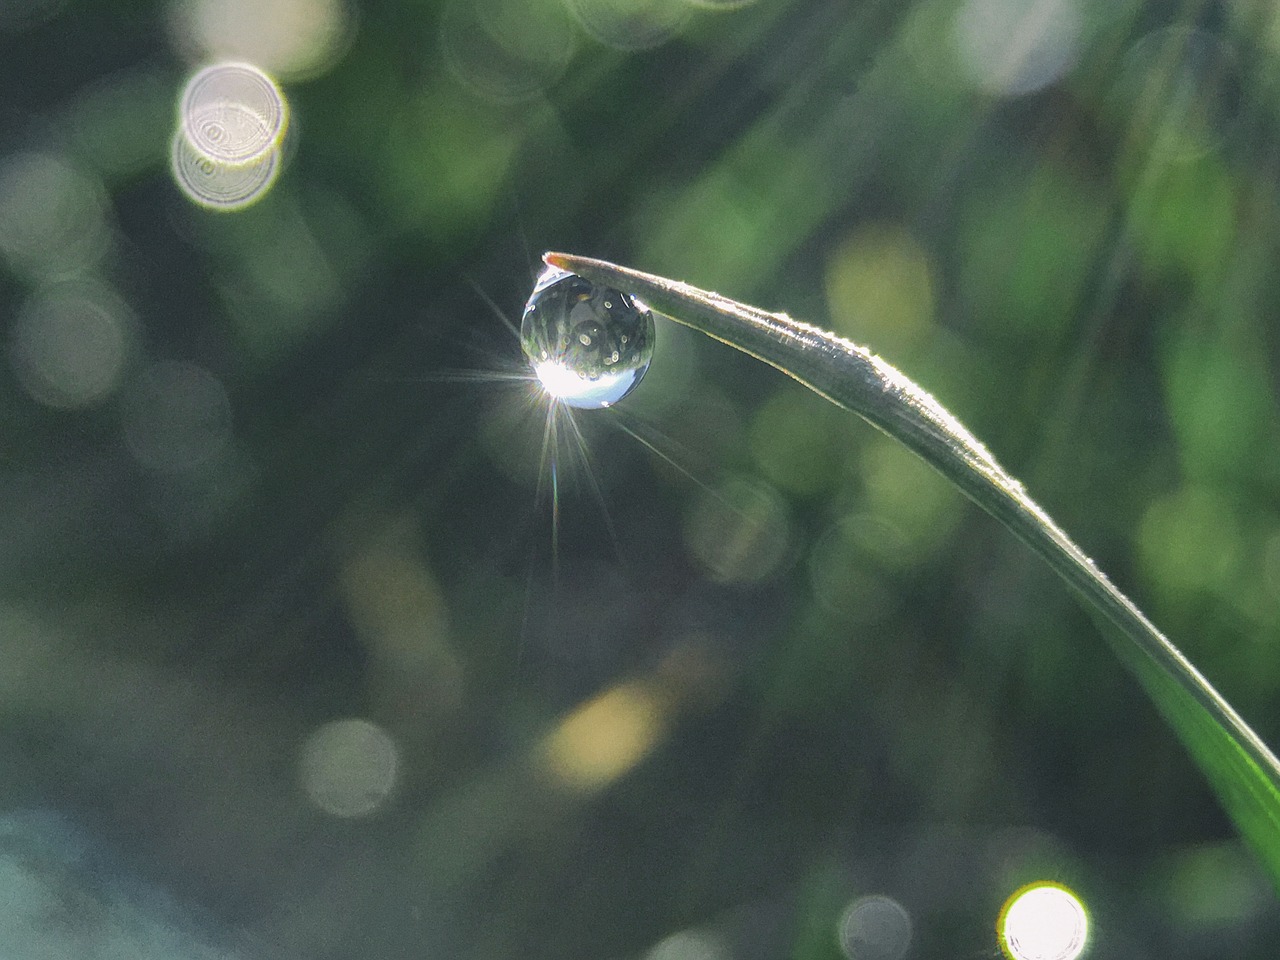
pixel 1239 765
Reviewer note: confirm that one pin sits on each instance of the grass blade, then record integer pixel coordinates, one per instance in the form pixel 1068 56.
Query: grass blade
pixel 1239 766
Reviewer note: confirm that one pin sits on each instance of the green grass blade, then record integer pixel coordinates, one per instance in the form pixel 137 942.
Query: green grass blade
pixel 1239 766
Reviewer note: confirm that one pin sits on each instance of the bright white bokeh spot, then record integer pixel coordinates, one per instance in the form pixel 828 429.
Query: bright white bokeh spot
pixel 177 417
pixel 348 768
pixel 875 928
pixel 630 24
pixel 70 343
pixel 232 119
pixel 232 113
pixel 1044 921
pixel 52 216
pixel 1015 47
pixel 290 38
pixel 219 186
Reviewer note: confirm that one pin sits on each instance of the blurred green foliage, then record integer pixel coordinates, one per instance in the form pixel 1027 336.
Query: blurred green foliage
pixel 899 701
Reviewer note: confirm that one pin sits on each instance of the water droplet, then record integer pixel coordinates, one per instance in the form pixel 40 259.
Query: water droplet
pixel 589 345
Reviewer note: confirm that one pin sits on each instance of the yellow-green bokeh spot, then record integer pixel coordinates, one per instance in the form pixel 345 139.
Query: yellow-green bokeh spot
pixel 904 491
pixel 796 442
pixel 286 267
pixel 1220 403
pixel 1212 884
pixel 1189 541
pixel 447 159
pixel 880 289
pixel 1182 219
pixel 741 216
pixel 853 568
pixel 1029 251
pixel 1260 20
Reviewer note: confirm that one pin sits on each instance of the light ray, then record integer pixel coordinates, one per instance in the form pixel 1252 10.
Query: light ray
pixel 496 310
pixel 588 467
pixel 671 461
pixel 494 378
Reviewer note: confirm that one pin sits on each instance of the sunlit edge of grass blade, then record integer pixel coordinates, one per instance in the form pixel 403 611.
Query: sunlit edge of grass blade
pixel 1237 763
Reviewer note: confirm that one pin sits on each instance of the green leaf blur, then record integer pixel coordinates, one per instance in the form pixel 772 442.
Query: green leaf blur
pixel 306 650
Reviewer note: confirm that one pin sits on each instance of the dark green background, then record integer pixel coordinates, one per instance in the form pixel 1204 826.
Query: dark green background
pixel 878 690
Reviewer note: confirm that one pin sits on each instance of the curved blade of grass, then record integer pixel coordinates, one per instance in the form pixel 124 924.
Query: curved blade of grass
pixel 1240 767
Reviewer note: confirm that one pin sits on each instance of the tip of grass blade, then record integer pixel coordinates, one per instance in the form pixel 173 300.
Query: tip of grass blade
pixel 597 271
pixel 585 266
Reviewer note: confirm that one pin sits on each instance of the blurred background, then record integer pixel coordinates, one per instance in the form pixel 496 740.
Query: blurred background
pixel 313 645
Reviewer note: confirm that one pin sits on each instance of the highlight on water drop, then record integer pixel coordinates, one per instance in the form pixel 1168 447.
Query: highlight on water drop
pixel 588 345
pixel 232 120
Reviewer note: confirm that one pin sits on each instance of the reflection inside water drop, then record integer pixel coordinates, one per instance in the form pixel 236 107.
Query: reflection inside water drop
pixel 589 345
